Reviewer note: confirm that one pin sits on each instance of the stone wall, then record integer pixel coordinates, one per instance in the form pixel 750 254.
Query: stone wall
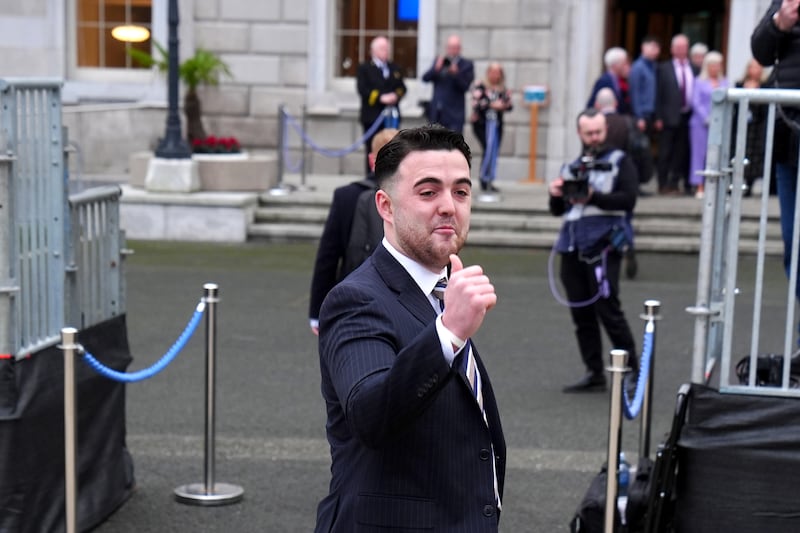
pixel 267 45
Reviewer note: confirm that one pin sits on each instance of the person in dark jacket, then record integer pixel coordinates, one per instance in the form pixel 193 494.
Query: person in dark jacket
pixel 618 136
pixel 776 42
pixel 451 75
pixel 674 85
pixel 332 264
pixel 380 85
pixel 413 423
pixel 615 77
pixel 590 262
pixel 491 99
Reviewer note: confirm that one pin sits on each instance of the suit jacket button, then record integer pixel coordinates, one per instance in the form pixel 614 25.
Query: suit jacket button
pixel 484 455
pixel 488 510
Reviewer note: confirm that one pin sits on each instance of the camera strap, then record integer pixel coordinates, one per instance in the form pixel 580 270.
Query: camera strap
pixel 603 287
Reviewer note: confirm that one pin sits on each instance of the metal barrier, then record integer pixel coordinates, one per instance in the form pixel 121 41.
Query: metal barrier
pixel 719 251
pixel 94 278
pixel 30 117
pixel 61 257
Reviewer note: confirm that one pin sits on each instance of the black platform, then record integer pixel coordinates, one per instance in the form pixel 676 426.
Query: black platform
pixel 32 435
pixel 739 462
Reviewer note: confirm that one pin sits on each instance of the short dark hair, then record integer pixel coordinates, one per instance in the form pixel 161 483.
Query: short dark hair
pixel 650 38
pixel 424 138
pixel 589 112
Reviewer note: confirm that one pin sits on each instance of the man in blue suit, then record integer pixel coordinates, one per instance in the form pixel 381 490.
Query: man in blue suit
pixel 413 425
pixel 451 75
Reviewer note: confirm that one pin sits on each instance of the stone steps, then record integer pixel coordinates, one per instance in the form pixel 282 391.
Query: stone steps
pixel 521 219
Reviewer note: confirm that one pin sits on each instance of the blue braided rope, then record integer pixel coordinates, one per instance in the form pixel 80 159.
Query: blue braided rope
pixel 335 153
pixel 159 365
pixel 631 407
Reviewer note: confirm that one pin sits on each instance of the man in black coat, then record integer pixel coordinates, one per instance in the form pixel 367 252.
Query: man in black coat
pixel 452 76
pixel 675 81
pixel 776 42
pixel 332 263
pixel 413 424
pixel 380 85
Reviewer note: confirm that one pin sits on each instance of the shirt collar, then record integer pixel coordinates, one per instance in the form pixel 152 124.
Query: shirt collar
pixel 424 278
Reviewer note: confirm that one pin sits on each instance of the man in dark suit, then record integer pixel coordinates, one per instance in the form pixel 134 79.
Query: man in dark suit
pixel 413 424
pixel 451 75
pixel 615 78
pixel 380 85
pixel 333 263
pixel 674 84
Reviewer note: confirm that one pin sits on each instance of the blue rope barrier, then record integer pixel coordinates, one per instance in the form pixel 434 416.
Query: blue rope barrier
pixel 159 365
pixel 631 408
pixel 335 153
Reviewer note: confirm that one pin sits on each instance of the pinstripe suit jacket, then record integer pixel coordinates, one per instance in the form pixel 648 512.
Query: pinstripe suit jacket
pixel 410 450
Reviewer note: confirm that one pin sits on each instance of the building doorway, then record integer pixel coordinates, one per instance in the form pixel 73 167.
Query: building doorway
pixel 628 21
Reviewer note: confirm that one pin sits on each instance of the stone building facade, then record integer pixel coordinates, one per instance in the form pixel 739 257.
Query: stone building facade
pixel 281 52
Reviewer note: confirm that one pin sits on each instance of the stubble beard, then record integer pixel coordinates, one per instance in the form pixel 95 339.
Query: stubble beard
pixel 430 250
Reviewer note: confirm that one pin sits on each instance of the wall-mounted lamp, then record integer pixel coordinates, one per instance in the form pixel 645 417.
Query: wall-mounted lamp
pixel 130 33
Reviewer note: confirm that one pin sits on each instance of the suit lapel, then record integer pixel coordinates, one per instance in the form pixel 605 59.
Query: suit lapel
pixel 400 282
pixel 410 296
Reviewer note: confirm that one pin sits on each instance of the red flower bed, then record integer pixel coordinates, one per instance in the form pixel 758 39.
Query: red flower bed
pixel 216 145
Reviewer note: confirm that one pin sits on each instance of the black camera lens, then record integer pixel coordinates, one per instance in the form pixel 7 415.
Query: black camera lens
pixel 446 62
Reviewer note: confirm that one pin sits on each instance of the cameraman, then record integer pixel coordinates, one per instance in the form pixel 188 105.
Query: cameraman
pixel 775 42
pixel 593 194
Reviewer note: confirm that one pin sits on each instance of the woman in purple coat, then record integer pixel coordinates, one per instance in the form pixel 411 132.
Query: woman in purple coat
pixel 710 78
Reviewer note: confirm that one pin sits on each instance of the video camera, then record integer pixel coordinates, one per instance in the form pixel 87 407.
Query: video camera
pixel 576 185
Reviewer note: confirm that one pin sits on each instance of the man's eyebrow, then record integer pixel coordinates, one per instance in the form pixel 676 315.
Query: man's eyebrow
pixel 436 181
pixel 427 180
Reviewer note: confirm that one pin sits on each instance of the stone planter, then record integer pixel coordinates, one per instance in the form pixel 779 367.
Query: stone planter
pixel 219 172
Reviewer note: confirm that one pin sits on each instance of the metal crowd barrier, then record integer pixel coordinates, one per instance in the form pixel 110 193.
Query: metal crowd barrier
pixel 95 281
pixel 717 283
pixel 33 244
pixel 61 256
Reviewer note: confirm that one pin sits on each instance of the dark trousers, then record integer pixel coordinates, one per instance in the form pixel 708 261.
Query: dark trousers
pixel 673 156
pixel 580 283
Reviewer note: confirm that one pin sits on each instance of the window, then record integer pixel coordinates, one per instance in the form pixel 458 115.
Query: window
pixel 96 48
pixel 359 21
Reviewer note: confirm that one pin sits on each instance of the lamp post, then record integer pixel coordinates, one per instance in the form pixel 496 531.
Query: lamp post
pixel 173 146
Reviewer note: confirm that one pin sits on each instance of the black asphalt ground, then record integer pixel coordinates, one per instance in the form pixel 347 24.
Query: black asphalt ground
pixel 270 424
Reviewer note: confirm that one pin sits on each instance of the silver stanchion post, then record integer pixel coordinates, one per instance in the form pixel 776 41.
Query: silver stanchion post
pixel 70 430
pixel 282 188
pixel 210 492
pixel 650 315
pixel 619 361
pixel 303 172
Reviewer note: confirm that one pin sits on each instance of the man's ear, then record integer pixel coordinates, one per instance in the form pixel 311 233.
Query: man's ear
pixel 384 205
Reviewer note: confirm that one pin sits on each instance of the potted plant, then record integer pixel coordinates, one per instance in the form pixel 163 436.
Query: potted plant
pixel 203 68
